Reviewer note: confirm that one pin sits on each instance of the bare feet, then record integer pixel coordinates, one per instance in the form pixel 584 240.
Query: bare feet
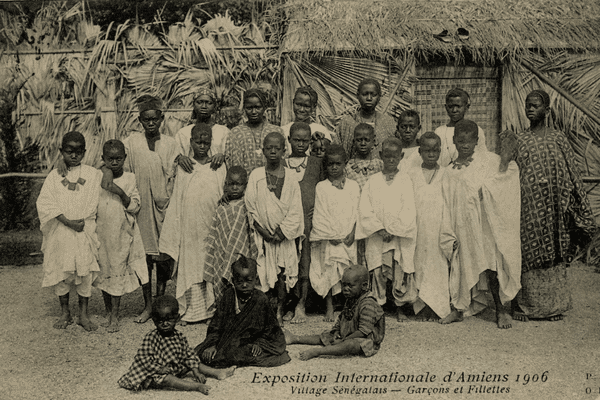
pixel 62 322
pixel 520 316
pixel 144 316
pixel 504 320
pixel 454 316
pixel 202 388
pixel 400 316
pixel 290 338
pixel 288 316
pixel 427 315
pixel 558 317
pixel 181 323
pixel 329 317
pixel 299 316
pixel 87 324
pixel 308 354
pixel 113 325
pixel 225 373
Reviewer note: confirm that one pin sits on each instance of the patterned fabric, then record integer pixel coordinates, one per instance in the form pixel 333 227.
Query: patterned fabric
pixel 364 315
pixel 158 357
pixel 384 126
pixel 228 238
pixel 553 201
pixel 244 145
pixel 361 170
pixel 545 292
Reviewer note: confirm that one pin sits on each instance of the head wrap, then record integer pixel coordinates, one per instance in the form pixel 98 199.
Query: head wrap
pixel 206 92
pixel 310 92
pixel 542 95
pixel 262 97
pixel 147 102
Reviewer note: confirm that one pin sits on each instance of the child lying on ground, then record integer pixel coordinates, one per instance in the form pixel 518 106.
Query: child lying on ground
pixel 166 357
pixel 360 327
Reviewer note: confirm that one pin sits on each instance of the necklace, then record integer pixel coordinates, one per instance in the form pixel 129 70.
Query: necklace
pixel 269 175
pixel 298 167
pixel 459 164
pixel 363 170
pixel 257 145
pixel 73 185
pixel 435 170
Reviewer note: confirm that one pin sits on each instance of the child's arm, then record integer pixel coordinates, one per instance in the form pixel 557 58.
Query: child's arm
pixel 263 232
pixel 75 224
pixel 186 163
pixel 109 185
pixel 348 240
pixel 216 161
pixel 387 237
pixel 198 375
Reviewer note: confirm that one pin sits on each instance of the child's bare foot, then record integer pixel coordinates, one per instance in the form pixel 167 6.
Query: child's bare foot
pixel 558 317
pixel 504 320
pixel 454 316
pixel 87 324
pixel 520 316
pixel 225 373
pixel 144 316
pixel 202 388
pixel 308 354
pixel 113 325
pixel 288 316
pixel 299 315
pixel 329 316
pixel 290 338
pixel 63 321
pixel 400 316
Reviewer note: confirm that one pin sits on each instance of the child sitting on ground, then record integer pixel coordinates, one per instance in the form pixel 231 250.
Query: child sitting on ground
pixel 244 330
pixel 229 234
pixel 307 170
pixel 274 206
pixel 387 219
pixel 166 357
pixel 332 237
pixel 431 267
pixel 360 327
pixel 122 258
pixel 67 210
pixel 187 225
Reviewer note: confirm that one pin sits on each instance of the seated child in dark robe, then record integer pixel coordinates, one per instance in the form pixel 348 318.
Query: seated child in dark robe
pixel 244 330
pixel 360 327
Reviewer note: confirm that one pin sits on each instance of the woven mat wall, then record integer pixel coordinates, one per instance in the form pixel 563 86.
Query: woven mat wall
pixel 482 84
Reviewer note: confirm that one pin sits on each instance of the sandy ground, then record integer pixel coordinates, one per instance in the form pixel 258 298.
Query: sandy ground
pixel 559 360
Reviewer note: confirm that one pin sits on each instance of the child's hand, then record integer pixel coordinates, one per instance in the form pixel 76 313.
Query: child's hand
pixel 348 240
pixel 387 237
pixel 223 201
pixel 455 245
pixel 186 163
pixel 508 149
pixel 278 236
pixel 209 354
pixel 199 376
pixel 256 350
pixel 164 370
pixel 216 161
pixel 61 168
pixel 76 224
pixel 107 177
pixel 335 242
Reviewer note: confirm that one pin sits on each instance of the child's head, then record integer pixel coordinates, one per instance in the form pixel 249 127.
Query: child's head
pixel 274 147
pixel 305 102
pixel 73 148
pixel 255 105
pixel 165 314
pixel 244 273
pixel 457 104
pixel 235 182
pixel 201 139
pixel 409 125
pixel 369 94
pixel 151 117
pixel 391 153
pixel 466 134
pixel 430 147
pixel 113 155
pixel 205 102
pixel 335 161
pixel 300 135
pixel 537 105
pixel 364 139
pixel 355 281
pixel 319 144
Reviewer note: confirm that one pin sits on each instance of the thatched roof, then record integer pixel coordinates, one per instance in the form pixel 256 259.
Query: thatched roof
pixel 496 28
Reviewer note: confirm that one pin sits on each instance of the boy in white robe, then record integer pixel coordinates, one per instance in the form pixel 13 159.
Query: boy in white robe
pixel 121 258
pixel 387 218
pixel 187 226
pixel 275 215
pixel 431 267
pixel 67 209
pixel 480 233
pixel 409 125
pixel 333 247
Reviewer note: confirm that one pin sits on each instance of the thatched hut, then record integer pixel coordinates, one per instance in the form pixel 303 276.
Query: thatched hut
pixel 496 50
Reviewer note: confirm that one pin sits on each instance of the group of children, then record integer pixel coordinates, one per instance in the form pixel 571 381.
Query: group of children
pixel 393 224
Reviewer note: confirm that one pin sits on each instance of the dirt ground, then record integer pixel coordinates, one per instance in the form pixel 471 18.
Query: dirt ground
pixel 535 360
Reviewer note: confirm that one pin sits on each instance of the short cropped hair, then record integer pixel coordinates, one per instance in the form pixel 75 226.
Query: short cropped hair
pixel 430 135
pixel 334 150
pixel 238 170
pixel 165 301
pixel 277 135
pixel 73 136
pixel 113 144
pixel 369 81
pixel 366 127
pixel 202 129
pixel 392 141
pixel 409 114
pixel 468 127
pixel 300 126
pixel 242 263
pixel 458 92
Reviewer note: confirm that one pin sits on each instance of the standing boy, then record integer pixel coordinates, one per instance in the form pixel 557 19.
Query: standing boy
pixel 67 210
pixel 364 162
pixel 480 227
pixel 409 125
pixel 458 103
pixel 151 157
pixel 274 206
pixel 122 258
pixel 387 219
